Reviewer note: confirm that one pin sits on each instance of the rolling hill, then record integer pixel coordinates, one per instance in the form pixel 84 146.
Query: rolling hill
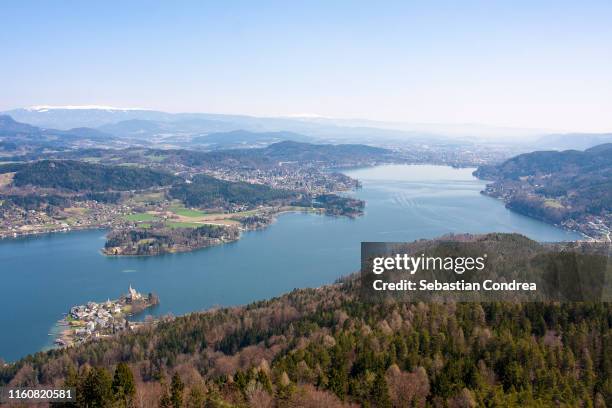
pixel 82 176
pixel 245 138
pixel 17 137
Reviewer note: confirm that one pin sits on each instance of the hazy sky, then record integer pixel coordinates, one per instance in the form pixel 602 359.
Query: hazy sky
pixel 544 65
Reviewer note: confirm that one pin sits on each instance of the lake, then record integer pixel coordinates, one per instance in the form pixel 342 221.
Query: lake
pixel 42 277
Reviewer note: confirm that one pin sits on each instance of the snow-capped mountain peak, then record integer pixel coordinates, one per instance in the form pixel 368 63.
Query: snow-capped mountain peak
pixel 45 108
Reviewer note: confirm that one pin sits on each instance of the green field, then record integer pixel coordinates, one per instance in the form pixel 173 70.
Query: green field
pixel 91 159
pixel 186 212
pixel 183 225
pixel 149 197
pixel 553 204
pixel 156 158
pixel 140 217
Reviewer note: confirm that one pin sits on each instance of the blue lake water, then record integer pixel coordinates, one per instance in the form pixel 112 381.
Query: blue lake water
pixel 41 277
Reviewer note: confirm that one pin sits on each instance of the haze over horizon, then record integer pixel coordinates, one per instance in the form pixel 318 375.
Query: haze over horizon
pixel 519 65
pixel 308 116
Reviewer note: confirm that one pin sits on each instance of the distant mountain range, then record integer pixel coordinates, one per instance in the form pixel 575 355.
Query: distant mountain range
pixel 240 138
pixel 577 141
pixel 69 117
pixel 21 137
pixel 24 137
pixel 135 123
pixel 151 129
pixel 180 129
pixel 64 117
pixel 10 127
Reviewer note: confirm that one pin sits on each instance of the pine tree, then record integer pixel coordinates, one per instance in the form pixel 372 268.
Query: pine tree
pixel 176 391
pixel 165 401
pixel 95 389
pixel 196 397
pixel 72 381
pixel 380 392
pixel 124 387
pixel 264 380
pixel 338 375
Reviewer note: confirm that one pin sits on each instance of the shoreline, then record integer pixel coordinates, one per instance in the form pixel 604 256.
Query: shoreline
pixel 288 211
pixel 585 236
pixel 34 234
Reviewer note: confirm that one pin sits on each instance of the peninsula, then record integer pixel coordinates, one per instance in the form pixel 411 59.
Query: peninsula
pixel 97 320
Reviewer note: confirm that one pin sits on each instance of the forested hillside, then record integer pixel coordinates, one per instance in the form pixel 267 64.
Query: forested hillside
pixel 327 347
pixel 572 188
pixel 290 150
pixel 283 152
pixel 244 138
pixel 550 162
pixel 206 191
pixel 82 176
pixel 157 241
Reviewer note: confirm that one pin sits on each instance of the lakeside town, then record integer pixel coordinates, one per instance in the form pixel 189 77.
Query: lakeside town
pixel 97 320
pixel 65 212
